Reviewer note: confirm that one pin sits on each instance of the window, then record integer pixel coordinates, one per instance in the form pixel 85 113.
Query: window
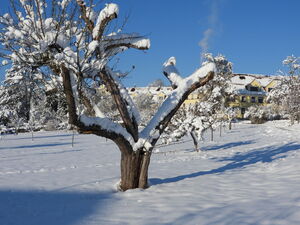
pixel 231 99
pixel 253 100
pixel 260 100
pixel 252 88
pixel 243 110
pixel 243 99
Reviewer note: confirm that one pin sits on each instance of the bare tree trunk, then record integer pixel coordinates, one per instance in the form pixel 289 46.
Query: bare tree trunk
pixel 230 125
pixel 292 120
pixel 73 136
pixel 195 141
pixel 220 130
pixel 134 170
pixel 211 134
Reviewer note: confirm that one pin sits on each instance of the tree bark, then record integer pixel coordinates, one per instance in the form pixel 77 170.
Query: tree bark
pixel 230 125
pixel 134 170
pixel 211 134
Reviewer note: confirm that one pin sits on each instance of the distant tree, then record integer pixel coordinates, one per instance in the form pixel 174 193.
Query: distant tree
pixel 25 98
pixel 147 104
pixel 231 113
pixel 20 87
pixel 260 114
pixel 287 93
pixel 187 121
pixel 157 83
pixel 77 47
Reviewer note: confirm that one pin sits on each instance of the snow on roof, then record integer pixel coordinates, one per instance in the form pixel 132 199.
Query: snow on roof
pixel 238 82
pixel 150 90
pixel 265 81
pixel 241 79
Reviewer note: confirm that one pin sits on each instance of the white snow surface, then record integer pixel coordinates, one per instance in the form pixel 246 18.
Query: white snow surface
pixel 250 175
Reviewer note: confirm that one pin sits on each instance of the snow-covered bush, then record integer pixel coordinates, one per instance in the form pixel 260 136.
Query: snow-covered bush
pixel 261 114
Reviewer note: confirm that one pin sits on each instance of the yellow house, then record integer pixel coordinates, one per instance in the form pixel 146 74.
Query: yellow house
pixel 249 90
pixel 192 98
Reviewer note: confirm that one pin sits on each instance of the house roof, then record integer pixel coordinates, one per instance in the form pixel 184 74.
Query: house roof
pixel 240 81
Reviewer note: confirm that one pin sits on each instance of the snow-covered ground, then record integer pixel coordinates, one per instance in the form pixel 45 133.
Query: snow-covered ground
pixel 250 175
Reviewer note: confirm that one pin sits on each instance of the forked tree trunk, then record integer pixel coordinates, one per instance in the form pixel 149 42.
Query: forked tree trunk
pixel 134 170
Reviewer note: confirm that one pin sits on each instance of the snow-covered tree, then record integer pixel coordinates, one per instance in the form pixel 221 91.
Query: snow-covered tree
pixel 78 47
pixel 189 120
pixel 231 113
pixel 157 83
pixel 26 97
pixel 20 87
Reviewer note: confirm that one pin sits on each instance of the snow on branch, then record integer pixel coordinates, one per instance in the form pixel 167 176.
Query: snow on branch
pixel 117 41
pixel 106 126
pixel 107 14
pixel 160 120
pixel 171 72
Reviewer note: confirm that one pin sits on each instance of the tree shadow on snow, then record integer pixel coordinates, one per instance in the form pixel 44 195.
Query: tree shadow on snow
pixel 49 208
pixel 228 145
pixel 37 145
pixel 43 145
pixel 36 136
pixel 50 152
pixel 238 161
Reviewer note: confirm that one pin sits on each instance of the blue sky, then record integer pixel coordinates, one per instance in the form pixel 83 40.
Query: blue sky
pixel 255 35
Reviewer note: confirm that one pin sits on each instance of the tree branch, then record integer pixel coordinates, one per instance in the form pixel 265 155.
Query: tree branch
pixel 160 120
pixel 123 105
pixel 90 24
pixel 94 125
pixel 101 27
pixel 164 123
pixel 128 42
pixel 171 72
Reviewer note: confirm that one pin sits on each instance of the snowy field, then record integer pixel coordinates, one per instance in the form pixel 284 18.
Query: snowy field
pixel 250 175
